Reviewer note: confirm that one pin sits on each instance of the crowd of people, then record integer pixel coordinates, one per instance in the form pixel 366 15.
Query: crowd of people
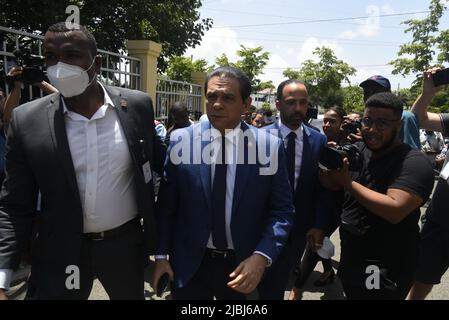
pixel 244 200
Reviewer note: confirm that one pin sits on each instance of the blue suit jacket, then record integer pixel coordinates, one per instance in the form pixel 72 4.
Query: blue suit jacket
pixel 312 202
pixel 262 210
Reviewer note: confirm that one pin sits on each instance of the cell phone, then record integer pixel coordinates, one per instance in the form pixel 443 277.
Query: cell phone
pixel 441 77
pixel 162 284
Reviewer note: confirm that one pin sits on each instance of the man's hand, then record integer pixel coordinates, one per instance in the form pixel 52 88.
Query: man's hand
pixel 15 72
pixel 248 274
pixel 355 137
pixel 3 295
pixel 294 294
pixel 160 267
pixel 429 88
pixel 340 178
pixel 336 179
pixel 315 239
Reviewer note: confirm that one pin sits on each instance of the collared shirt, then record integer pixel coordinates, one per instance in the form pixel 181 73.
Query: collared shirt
pixel 231 138
pixel 232 149
pixel 103 167
pixel 299 145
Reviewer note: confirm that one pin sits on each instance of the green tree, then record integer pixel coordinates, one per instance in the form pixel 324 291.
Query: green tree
pixel 323 78
pixel 291 74
pixel 408 95
pixel 420 54
pixel 266 106
pixel 266 85
pixel 175 24
pixel 353 98
pixel 181 68
pixel 251 62
pixel 223 61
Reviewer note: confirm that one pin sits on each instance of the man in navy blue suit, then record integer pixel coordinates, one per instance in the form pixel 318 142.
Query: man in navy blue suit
pixel 223 214
pixel 303 148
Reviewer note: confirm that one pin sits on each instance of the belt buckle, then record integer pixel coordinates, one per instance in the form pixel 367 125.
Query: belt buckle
pixel 100 238
pixel 220 253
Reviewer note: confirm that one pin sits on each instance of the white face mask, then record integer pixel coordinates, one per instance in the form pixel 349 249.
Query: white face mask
pixel 70 80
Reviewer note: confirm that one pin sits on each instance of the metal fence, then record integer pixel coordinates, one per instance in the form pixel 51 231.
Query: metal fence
pixel 116 70
pixel 169 91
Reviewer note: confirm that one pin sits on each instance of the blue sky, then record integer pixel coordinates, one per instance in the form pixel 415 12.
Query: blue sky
pixel 368 44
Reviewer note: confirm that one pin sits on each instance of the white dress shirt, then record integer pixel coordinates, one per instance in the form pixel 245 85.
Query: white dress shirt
pixel 231 139
pixel 299 145
pixel 103 169
pixel 232 149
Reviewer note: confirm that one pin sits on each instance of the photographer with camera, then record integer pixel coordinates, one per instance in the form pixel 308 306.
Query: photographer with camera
pixel 383 194
pixel 409 133
pixel 434 257
pixel 13 99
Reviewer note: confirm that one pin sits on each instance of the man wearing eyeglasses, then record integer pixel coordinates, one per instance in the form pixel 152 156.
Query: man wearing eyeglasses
pixel 379 230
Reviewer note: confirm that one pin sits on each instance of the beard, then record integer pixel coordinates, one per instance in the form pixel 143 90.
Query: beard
pixel 295 119
pixel 386 145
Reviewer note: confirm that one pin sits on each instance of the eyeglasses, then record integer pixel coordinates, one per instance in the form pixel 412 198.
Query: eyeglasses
pixel 381 124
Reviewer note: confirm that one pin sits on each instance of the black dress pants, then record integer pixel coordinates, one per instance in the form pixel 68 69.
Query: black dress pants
pixel 117 261
pixel 210 281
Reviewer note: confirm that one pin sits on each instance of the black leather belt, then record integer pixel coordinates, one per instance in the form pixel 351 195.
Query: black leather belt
pixel 220 254
pixel 128 226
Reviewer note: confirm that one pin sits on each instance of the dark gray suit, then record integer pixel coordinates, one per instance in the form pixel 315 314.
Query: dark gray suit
pixel 38 158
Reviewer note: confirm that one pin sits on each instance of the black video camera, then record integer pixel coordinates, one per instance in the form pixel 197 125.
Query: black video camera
pixel 32 68
pixel 331 158
pixel 352 127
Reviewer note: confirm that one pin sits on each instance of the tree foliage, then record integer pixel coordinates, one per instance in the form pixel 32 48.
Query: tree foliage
pixel 353 99
pixel 175 24
pixel 251 61
pixel 181 68
pixel 420 54
pixel 289 73
pixel 323 78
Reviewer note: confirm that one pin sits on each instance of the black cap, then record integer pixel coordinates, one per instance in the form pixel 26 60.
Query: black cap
pixel 377 80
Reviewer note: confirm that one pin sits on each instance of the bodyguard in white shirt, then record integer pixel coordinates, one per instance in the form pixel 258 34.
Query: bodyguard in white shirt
pixel 90 150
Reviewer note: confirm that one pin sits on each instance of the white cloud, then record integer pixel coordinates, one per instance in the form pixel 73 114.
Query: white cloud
pixel 306 51
pixel 273 71
pixel 348 34
pixel 371 26
pixel 215 42
pixel 387 9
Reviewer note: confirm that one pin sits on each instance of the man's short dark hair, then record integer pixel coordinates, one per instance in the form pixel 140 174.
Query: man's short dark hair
pixel 282 85
pixel 62 27
pixel 230 72
pixel 268 113
pixel 179 107
pixel 386 100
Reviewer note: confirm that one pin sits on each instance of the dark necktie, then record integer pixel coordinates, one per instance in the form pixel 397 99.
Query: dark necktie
pixel 219 202
pixel 291 159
